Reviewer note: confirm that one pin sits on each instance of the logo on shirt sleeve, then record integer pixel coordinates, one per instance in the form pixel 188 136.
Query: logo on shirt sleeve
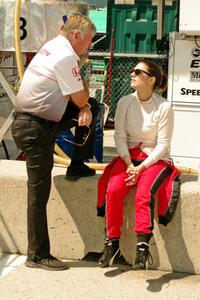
pixel 76 71
pixel 44 52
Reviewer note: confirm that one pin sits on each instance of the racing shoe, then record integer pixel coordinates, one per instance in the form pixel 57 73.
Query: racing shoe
pixel 142 257
pixel 110 253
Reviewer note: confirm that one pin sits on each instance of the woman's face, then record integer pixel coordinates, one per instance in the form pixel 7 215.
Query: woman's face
pixel 140 77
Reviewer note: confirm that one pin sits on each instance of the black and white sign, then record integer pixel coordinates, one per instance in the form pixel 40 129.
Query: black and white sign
pixel 186 71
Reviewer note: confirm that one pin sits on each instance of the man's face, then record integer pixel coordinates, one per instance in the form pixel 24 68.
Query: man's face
pixel 82 42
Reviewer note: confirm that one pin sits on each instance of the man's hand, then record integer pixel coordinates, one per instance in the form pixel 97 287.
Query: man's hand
pixel 84 116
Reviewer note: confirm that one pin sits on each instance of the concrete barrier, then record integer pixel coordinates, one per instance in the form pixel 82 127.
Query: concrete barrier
pixel 75 230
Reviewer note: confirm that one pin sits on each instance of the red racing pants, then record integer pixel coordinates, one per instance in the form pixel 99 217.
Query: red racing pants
pixel 149 182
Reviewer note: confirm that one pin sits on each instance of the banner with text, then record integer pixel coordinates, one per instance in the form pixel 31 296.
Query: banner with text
pixel 39 22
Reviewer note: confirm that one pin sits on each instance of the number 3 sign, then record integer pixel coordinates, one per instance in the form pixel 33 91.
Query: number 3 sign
pixel 23 28
pixel 39 22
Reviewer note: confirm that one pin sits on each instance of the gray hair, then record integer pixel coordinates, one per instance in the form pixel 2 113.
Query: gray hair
pixel 77 21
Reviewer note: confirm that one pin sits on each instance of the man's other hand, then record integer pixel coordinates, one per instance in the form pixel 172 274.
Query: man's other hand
pixel 84 116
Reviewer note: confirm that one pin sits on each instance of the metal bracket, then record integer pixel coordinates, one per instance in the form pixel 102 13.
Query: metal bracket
pixel 7 87
pixel 7 124
pixel 160 21
pixel 167 2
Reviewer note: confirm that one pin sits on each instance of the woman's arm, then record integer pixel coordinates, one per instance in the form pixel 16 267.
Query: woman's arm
pixel 120 135
pixel 165 128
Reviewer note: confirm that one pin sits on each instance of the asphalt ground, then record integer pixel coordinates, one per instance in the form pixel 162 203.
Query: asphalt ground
pixel 86 281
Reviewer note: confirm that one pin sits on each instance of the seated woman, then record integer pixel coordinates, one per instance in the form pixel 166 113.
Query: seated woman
pixel 143 130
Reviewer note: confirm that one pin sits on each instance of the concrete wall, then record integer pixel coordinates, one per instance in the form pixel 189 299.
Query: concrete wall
pixel 75 230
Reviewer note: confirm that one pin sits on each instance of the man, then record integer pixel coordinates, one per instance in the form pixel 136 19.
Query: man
pixel 52 98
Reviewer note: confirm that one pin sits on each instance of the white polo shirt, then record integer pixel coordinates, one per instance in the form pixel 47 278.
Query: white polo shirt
pixel 52 75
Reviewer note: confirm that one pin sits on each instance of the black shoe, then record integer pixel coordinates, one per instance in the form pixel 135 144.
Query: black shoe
pixel 48 263
pixel 110 253
pixel 142 256
pixel 74 172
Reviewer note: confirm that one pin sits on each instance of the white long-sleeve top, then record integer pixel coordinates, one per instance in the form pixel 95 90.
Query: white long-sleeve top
pixel 149 123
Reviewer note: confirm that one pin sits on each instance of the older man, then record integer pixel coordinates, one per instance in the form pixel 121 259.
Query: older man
pixel 52 98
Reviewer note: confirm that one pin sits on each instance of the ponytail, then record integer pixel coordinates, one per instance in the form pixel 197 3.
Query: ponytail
pixel 163 83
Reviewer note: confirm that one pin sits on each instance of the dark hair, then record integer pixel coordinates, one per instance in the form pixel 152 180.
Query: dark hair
pixel 155 70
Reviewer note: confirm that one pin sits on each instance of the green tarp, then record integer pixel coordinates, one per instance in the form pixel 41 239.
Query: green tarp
pixel 99 17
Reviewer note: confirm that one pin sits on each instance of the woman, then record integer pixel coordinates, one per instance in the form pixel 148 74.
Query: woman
pixel 143 130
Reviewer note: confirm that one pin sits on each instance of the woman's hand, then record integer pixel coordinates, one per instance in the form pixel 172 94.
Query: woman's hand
pixel 84 116
pixel 133 174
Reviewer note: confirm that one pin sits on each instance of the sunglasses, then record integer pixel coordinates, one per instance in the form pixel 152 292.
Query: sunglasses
pixel 139 71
